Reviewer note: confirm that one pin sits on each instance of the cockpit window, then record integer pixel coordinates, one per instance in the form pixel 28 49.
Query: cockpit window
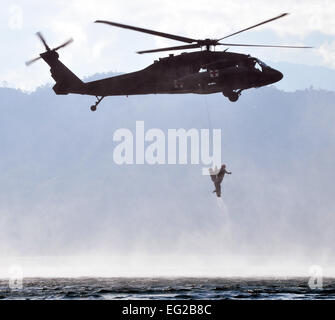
pixel 260 65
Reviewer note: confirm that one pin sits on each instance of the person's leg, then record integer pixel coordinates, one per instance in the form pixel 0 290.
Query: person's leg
pixel 218 191
pixel 212 174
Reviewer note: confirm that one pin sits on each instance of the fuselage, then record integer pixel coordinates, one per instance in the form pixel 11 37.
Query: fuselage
pixel 201 72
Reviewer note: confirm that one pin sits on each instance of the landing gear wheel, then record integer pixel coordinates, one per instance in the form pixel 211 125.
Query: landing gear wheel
pixel 233 96
pixel 94 107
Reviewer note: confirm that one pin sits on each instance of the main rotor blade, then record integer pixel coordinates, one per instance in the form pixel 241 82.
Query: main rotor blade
pixel 39 34
pixel 261 45
pixel 155 33
pixel 188 46
pixel 64 44
pixel 254 26
pixel 28 63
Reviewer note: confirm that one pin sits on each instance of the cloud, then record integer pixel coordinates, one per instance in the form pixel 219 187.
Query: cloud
pixel 327 51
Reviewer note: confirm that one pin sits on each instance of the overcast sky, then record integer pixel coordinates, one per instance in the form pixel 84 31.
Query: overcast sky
pixel 101 48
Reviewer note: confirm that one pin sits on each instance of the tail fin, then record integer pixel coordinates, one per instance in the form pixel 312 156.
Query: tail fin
pixel 66 81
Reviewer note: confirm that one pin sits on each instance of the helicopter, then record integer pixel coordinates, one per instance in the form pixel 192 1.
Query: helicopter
pixel 201 72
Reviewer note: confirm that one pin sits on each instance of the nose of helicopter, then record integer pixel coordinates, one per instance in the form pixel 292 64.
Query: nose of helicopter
pixel 274 75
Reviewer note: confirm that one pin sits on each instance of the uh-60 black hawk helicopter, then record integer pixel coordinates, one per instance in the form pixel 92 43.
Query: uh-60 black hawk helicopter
pixel 201 72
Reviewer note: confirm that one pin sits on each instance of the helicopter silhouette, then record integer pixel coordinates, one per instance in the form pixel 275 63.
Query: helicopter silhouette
pixel 200 72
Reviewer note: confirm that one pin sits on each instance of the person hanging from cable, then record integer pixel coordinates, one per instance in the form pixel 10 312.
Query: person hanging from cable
pixel 217 177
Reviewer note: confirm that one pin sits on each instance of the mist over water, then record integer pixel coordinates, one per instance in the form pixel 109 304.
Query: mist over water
pixel 67 210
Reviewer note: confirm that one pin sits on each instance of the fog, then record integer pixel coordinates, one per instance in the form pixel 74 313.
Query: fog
pixel 66 209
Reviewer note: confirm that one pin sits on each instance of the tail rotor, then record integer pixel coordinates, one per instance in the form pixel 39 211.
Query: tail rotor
pixel 47 48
